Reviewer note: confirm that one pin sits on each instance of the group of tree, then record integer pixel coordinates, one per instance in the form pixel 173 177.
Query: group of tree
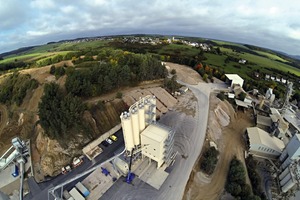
pixel 209 160
pixel 254 177
pixel 60 114
pixel 57 71
pixel 236 182
pixel 13 65
pixel 208 72
pixel 114 72
pixel 15 87
pixel 171 84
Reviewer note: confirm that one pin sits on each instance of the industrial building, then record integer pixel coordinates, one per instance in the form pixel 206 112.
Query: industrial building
pixel 291 152
pixel 143 135
pixel 234 79
pixel 158 141
pixel 289 177
pixel 261 144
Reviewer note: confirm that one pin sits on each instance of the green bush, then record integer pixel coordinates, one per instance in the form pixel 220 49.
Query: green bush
pixel 221 96
pixel 210 159
pixel 15 87
pixel 60 113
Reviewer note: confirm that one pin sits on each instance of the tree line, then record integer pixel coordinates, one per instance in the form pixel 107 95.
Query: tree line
pixel 15 87
pixel 113 72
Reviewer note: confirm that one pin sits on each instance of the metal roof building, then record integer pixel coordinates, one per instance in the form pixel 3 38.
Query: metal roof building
pixel 262 144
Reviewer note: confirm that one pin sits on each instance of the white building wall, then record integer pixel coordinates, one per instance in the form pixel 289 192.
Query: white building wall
pixel 152 149
pixel 263 150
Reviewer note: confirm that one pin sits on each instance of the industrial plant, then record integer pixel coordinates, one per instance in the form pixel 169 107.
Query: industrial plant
pixel 143 134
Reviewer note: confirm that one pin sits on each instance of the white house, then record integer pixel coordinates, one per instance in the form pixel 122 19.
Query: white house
pixel 234 79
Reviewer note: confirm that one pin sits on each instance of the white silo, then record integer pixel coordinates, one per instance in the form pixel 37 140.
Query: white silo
pixel 141 112
pixel 284 173
pixel 127 131
pixel 135 125
pixel 288 185
pixel 153 108
pixel 285 179
pixel 146 107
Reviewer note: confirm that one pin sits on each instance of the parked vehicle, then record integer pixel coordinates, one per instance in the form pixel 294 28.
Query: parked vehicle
pixel 109 141
pixel 113 137
pixel 77 162
pixel 82 189
pixel 66 169
pixel 104 143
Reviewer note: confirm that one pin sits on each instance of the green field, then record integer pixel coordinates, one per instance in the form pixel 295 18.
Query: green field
pixel 261 62
pixel 32 57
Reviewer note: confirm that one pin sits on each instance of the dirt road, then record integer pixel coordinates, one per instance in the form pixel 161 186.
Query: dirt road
pixel 231 144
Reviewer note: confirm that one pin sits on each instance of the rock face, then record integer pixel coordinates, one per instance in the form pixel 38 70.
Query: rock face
pixel 53 156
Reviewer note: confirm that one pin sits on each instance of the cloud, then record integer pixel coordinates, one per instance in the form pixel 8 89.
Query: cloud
pixel 269 23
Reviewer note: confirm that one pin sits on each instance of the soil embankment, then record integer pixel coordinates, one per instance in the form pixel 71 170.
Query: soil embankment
pixel 225 128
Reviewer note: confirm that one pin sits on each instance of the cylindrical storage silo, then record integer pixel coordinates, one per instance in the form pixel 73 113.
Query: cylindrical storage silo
pixel 283 155
pixel 146 106
pixel 285 179
pixel 286 163
pixel 284 173
pixel 141 112
pixel 153 110
pixel 288 186
pixel 135 126
pixel 127 131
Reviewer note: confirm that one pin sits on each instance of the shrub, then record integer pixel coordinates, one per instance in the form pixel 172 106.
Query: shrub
pixel 119 95
pixel 221 96
pixel 210 159
pixel 173 71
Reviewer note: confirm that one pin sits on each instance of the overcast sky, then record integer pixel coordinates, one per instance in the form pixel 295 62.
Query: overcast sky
pixel 273 24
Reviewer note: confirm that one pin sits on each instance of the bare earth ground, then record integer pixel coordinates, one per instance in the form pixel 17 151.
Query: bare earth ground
pixel 230 142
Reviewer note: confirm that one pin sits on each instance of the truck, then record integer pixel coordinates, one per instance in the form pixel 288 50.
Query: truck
pixel 77 162
pixel 76 195
pixel 15 171
pixel 82 189
pixel 66 169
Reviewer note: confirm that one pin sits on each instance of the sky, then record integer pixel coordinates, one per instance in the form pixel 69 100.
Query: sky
pixel 272 24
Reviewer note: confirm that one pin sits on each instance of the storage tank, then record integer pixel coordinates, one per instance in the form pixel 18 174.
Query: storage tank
pixel 284 173
pixel 283 156
pixel 141 112
pixel 135 126
pixel 153 110
pixel 146 106
pixel 127 130
pixel 285 179
pixel 286 163
pixel 288 186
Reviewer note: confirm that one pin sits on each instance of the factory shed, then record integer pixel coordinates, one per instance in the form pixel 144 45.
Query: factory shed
pixel 261 144
pixel 263 122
